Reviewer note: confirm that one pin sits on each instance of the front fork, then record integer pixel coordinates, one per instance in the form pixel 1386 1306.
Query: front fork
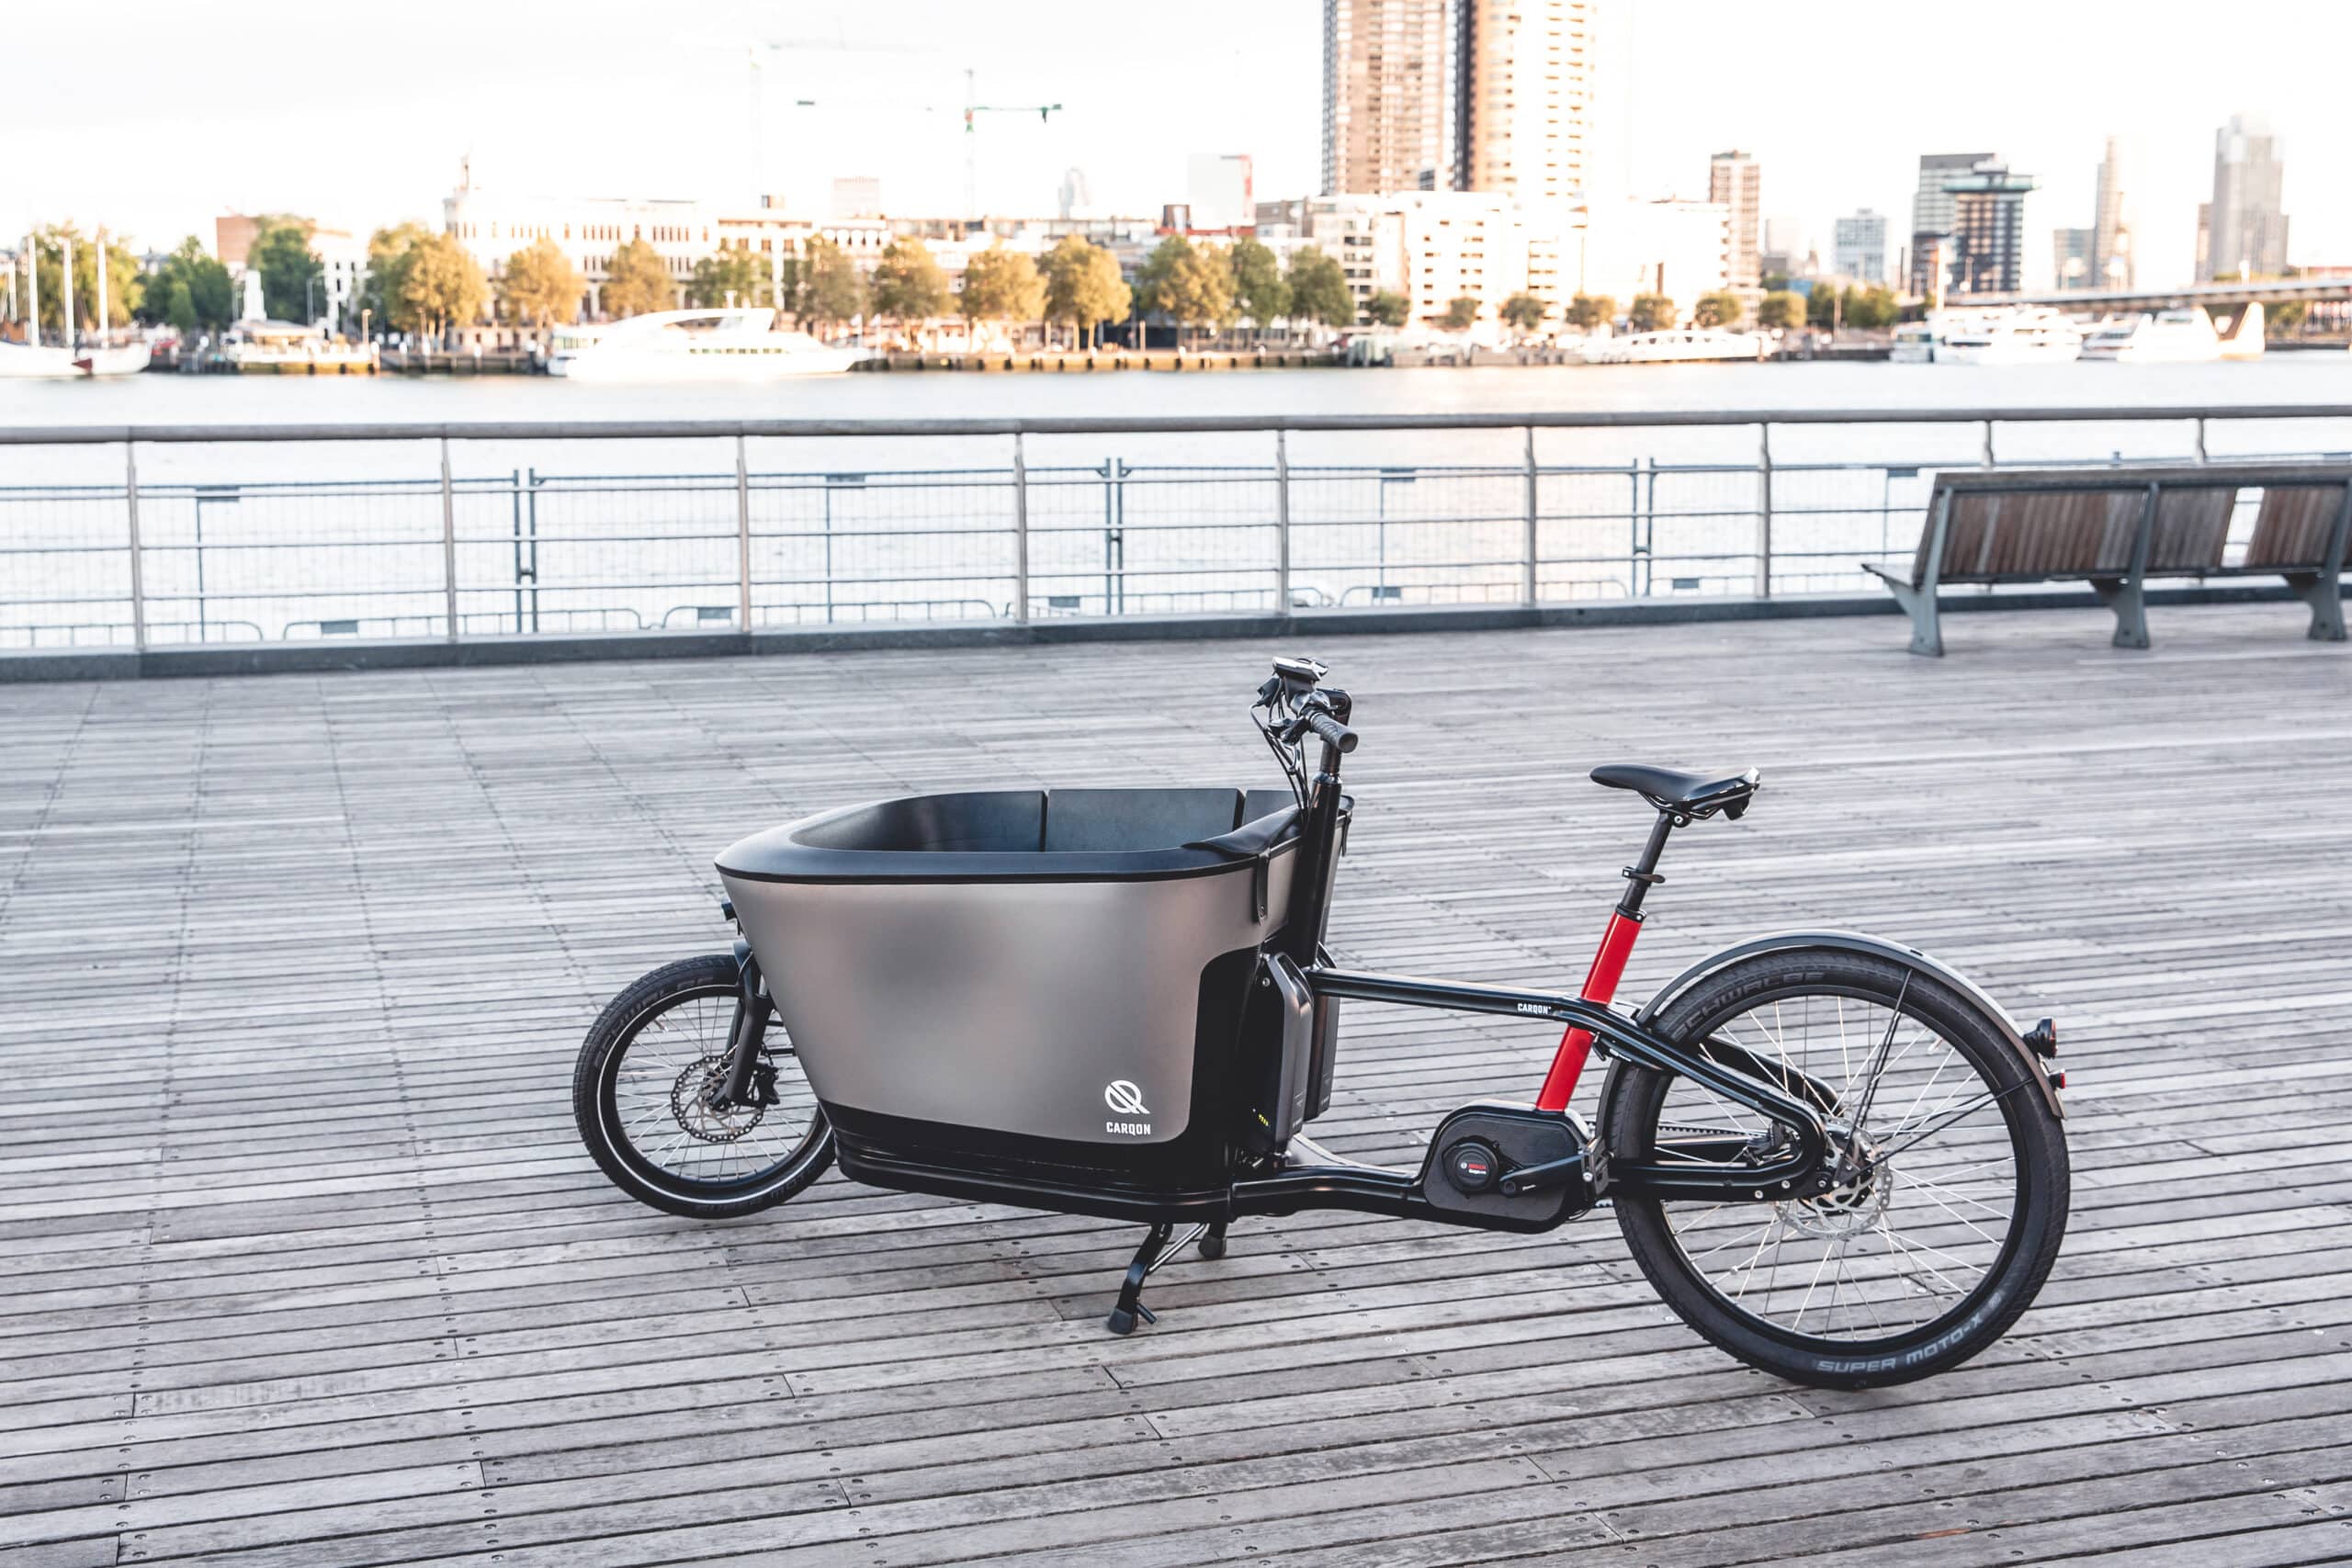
pixel 742 1083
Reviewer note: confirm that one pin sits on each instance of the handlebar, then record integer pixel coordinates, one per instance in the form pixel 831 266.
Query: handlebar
pixel 1334 733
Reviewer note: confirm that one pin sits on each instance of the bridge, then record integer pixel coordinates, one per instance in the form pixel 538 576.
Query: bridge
pixel 2219 296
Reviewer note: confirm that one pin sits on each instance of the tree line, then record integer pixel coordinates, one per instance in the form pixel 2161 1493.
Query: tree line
pixel 1076 286
pixel 427 283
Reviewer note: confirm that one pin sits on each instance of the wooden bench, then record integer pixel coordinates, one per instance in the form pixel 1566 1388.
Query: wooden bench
pixel 2117 527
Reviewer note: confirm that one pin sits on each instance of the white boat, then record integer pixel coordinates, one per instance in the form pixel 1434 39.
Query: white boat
pixel 736 345
pixel 1923 341
pixel 1680 345
pixel 105 356
pixel 47 360
pixel 1915 343
pixel 291 347
pixel 2028 335
pixel 2180 336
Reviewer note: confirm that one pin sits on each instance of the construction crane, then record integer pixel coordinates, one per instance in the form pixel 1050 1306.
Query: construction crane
pixel 970 110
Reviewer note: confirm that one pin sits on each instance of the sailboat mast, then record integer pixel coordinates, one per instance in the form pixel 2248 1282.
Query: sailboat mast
pixel 65 248
pixel 102 286
pixel 32 289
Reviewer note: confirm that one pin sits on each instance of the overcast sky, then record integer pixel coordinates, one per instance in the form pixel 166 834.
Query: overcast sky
pixel 359 114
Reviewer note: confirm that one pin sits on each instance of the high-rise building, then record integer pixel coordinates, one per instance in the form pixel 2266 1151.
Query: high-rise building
pixel 1988 229
pixel 2247 231
pixel 1736 182
pixel 1389 110
pixel 1931 213
pixel 1076 196
pixel 1459 95
pixel 1859 248
pixel 1523 96
pixel 1932 204
pixel 2110 252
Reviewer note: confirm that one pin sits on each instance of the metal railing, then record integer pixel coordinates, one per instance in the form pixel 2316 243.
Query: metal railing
pixel 780 524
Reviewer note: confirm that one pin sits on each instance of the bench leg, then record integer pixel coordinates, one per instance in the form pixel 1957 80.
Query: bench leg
pixel 1926 634
pixel 2324 592
pixel 2123 595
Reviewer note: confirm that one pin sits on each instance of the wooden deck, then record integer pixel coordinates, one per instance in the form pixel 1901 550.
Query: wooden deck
pixel 305 1268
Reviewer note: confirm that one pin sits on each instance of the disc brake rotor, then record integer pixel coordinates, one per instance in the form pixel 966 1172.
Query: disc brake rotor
pixel 1841 1211
pixel 690 1104
pixel 1850 1209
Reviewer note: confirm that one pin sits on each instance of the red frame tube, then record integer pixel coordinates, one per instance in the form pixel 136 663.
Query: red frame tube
pixel 1599 986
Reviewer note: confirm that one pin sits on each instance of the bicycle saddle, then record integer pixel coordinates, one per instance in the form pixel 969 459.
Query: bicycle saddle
pixel 1689 795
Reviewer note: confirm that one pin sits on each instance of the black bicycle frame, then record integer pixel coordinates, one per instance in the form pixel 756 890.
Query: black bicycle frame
pixel 1800 1166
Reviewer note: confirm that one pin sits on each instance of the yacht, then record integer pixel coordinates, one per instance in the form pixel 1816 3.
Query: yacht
pixel 21 359
pixel 2181 337
pixel 1678 345
pixel 2029 334
pixel 727 344
pixel 1926 342
pixel 1915 343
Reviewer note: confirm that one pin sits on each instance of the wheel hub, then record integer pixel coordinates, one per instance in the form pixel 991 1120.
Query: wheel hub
pixel 1866 1188
pixel 697 1101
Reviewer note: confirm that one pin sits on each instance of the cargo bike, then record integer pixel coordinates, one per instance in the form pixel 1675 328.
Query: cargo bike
pixel 1833 1157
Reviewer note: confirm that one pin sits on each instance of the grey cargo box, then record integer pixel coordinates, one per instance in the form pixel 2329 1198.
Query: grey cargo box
pixel 1029 963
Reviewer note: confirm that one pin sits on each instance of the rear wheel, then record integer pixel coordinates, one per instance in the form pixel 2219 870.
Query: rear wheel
pixel 1922 1258
pixel 644 1097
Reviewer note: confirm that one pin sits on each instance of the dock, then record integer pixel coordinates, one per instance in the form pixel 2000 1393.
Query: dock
pixel 306 1267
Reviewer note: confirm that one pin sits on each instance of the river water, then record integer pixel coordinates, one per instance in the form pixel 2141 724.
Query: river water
pixel 638 532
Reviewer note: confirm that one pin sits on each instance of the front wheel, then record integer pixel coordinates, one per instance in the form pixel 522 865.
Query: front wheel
pixel 1921 1261
pixel 644 1095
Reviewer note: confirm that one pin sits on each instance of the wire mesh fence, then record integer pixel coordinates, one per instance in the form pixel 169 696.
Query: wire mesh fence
pixel 439 543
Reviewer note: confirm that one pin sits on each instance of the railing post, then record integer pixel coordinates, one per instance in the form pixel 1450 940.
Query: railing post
pixel 1527 587
pixel 449 541
pixel 743 538
pixel 1764 512
pixel 1282 522
pixel 137 579
pixel 1020 532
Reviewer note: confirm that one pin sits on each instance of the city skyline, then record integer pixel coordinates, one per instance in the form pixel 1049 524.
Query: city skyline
pixel 367 143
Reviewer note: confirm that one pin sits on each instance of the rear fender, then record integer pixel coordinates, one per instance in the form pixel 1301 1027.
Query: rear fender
pixel 1857 942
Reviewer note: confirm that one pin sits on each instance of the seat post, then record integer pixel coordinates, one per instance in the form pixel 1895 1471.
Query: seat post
pixel 1608 967
pixel 1643 873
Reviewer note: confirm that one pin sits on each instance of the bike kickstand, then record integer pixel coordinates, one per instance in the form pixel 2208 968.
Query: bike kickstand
pixel 1157 1249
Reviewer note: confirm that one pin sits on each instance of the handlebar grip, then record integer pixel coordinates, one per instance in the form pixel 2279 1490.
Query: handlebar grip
pixel 1333 732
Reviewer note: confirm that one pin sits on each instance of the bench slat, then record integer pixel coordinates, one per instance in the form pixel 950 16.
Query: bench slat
pixel 2293 526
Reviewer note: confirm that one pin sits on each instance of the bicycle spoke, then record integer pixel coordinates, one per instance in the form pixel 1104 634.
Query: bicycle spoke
pixel 1893 1250
pixel 664 1097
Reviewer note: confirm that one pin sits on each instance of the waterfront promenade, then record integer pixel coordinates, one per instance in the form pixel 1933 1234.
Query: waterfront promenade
pixel 306 1267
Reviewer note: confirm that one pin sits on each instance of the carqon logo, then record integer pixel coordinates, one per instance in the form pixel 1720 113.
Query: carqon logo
pixel 1127 1101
